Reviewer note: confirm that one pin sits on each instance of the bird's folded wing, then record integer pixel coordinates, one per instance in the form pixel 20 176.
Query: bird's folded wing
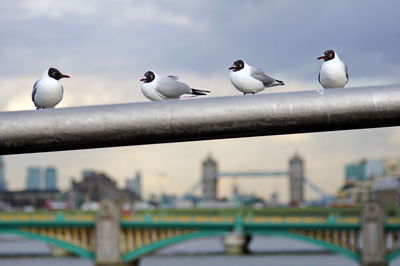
pixel 260 75
pixel 170 88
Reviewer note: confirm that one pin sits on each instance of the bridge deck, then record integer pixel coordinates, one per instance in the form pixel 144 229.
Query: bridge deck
pixel 87 219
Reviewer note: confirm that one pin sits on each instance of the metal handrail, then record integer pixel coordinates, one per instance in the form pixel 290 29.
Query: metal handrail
pixel 198 119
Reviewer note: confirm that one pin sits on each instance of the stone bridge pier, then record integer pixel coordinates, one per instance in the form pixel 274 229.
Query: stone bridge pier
pixel 373 235
pixel 107 236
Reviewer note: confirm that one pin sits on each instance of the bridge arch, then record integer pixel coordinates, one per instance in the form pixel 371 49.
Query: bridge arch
pixel 70 247
pixel 137 253
pixel 335 248
pixel 392 255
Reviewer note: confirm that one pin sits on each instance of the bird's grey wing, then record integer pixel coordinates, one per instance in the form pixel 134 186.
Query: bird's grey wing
pixel 170 88
pixel 34 91
pixel 319 77
pixel 260 75
pixel 174 77
pixel 346 69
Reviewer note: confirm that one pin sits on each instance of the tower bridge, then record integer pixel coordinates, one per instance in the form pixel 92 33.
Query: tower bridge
pixel 295 174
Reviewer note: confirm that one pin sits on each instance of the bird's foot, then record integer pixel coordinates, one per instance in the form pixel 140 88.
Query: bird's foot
pixel 321 91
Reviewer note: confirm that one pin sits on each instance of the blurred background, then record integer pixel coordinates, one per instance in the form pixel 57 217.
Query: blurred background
pixel 107 46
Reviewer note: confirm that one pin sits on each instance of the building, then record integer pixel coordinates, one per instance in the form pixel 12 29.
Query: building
pixel 41 179
pixel 364 169
pixel 356 171
pixel 88 173
pixel 33 179
pixel 355 193
pixel 375 168
pixel 50 178
pixel 3 185
pixel 365 179
pixel 96 186
pixel 135 185
pixel 209 179
pixel 296 184
pixel 392 167
pixel 387 191
pixel 372 168
pixel 30 199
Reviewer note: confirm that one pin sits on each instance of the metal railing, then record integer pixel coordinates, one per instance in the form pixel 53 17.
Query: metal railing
pixel 198 119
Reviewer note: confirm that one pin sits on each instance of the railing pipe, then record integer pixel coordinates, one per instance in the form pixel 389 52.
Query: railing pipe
pixel 198 119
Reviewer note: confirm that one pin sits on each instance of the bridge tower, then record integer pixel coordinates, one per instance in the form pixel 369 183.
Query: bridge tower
pixel 296 184
pixel 209 179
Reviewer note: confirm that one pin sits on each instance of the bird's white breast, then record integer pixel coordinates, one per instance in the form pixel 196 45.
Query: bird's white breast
pixel 149 91
pixel 244 82
pixel 333 74
pixel 49 92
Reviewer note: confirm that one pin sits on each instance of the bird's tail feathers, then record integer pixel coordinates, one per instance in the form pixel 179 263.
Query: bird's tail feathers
pixel 199 92
pixel 279 82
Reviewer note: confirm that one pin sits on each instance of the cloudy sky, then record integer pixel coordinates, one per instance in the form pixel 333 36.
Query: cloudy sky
pixel 106 47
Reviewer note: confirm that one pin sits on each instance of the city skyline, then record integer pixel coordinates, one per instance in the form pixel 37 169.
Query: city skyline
pixel 197 41
pixel 230 183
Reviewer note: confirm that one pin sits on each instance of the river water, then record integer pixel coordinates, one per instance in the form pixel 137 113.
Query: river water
pixel 271 251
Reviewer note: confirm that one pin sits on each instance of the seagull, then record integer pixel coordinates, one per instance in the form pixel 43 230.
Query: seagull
pixel 156 87
pixel 333 72
pixel 47 91
pixel 248 79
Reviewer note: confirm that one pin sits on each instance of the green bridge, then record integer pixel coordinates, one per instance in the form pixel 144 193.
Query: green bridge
pixel 108 238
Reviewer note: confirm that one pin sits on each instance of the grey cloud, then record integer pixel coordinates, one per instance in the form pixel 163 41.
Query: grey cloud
pixel 281 36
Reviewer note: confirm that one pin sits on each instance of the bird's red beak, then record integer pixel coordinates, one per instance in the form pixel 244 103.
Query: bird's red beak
pixel 65 76
pixel 232 67
pixel 142 79
pixel 321 57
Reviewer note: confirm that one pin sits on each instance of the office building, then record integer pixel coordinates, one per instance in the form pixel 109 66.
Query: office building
pixel 3 185
pixel 135 185
pixel 50 178
pixel 33 180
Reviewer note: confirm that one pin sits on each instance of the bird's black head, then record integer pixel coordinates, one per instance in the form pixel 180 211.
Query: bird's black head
pixel 149 76
pixel 328 55
pixel 237 65
pixel 55 74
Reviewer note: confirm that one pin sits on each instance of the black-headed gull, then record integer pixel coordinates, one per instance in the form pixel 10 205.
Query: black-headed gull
pixel 47 91
pixel 156 87
pixel 333 72
pixel 248 79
